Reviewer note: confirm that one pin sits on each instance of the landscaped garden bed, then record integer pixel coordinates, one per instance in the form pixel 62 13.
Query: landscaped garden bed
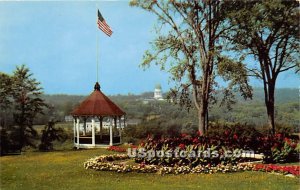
pixel 111 163
pixel 202 154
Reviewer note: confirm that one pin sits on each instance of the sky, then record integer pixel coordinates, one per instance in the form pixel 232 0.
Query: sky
pixel 57 41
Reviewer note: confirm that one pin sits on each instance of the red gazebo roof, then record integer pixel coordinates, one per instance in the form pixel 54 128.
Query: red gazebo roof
pixel 97 104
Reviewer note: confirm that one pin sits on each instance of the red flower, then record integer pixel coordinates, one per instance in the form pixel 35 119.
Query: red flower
pixel 184 135
pixel 196 140
pixel 293 145
pixel 235 137
pixel 275 146
pixel 142 144
pixel 199 133
pixel 226 132
pixel 295 170
pixel 278 135
pixel 287 140
pixel 182 146
pixel 116 149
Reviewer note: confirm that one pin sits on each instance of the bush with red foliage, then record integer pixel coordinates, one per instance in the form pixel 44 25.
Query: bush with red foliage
pixel 189 143
pixel 278 148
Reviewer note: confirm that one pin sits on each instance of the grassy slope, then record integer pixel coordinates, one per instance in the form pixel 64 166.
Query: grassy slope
pixel 64 170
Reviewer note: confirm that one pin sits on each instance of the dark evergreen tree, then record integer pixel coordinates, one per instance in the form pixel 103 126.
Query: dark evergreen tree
pixel 27 104
pixel 50 134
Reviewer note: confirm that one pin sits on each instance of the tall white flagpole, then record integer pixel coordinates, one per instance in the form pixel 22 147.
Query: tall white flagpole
pixel 97 38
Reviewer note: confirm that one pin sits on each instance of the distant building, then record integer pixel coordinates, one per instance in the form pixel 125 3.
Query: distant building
pixel 133 121
pixel 157 95
pixel 158 92
pixel 68 118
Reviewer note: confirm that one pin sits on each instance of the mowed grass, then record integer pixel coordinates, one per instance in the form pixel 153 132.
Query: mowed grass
pixel 64 170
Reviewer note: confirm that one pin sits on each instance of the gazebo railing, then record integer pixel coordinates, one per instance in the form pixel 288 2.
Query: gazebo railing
pixel 98 140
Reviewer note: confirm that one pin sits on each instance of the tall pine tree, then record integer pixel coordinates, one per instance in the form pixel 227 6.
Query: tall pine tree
pixel 27 104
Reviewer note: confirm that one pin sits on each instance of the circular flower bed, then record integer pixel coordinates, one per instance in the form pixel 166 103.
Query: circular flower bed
pixel 108 163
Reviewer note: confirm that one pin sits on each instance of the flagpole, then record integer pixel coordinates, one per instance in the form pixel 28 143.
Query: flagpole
pixel 97 51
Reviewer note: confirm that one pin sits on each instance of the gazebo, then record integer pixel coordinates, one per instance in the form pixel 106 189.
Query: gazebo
pixel 97 121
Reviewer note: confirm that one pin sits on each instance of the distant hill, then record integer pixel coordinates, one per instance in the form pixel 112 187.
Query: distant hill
pixel 250 111
pixel 282 95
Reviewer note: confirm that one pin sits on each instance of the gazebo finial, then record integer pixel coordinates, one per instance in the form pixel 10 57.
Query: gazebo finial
pixel 97 86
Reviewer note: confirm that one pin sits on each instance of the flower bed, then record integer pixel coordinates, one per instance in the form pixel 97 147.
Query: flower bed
pixel 116 149
pixel 278 148
pixel 106 163
pixel 119 149
pixel 294 170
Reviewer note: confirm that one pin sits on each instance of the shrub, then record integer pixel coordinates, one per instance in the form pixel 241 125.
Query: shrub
pixel 279 149
pixel 50 134
pixel 191 145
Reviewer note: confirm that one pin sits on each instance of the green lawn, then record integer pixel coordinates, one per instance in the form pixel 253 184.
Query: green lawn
pixel 64 170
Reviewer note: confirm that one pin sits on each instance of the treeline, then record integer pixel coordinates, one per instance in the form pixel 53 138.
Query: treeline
pixel 251 111
pixel 23 105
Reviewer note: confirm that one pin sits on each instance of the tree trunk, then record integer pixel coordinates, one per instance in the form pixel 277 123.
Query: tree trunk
pixel 271 107
pixel 202 121
pixel 202 113
pixel 206 117
pixel 22 137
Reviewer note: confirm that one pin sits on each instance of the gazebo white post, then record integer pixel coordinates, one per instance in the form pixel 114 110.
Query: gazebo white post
pixel 84 126
pixel 101 126
pixel 93 131
pixel 124 121
pixel 120 129
pixel 74 129
pixel 77 131
pixel 110 134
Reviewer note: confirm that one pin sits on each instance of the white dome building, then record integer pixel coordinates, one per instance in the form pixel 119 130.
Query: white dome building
pixel 158 92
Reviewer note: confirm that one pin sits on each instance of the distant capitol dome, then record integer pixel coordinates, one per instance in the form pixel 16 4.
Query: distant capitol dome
pixel 158 92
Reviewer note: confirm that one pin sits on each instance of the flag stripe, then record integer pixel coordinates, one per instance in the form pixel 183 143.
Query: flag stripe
pixel 103 26
pixel 105 29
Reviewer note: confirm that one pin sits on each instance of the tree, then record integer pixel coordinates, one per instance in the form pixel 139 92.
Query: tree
pixel 5 98
pixel 50 134
pixel 27 103
pixel 189 46
pixel 269 32
pixel 5 105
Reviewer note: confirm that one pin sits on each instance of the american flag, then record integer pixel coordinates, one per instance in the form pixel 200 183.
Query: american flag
pixel 103 26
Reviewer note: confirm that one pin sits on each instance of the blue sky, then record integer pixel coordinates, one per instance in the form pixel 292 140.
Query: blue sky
pixel 57 41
